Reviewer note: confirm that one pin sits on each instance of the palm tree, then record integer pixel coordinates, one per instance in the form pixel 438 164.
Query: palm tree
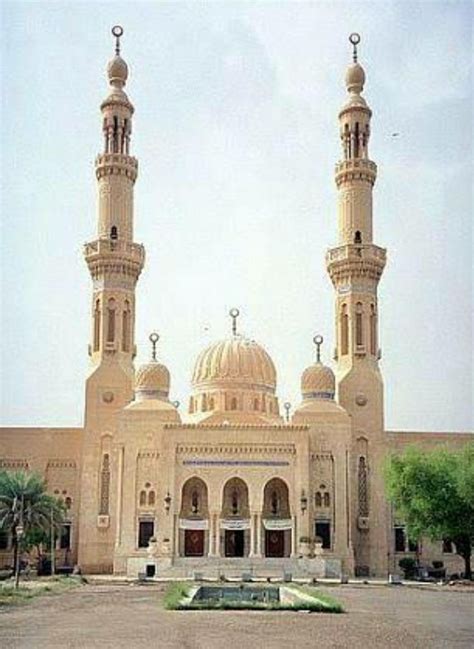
pixel 25 506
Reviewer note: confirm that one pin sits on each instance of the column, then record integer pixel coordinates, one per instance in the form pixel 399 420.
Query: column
pixel 294 549
pixel 258 524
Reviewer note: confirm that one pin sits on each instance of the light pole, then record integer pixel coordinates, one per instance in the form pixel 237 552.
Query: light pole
pixel 19 531
pixel 52 543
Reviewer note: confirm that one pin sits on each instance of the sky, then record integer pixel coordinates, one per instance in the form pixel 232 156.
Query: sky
pixel 236 133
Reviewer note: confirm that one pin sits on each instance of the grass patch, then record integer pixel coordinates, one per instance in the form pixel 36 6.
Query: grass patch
pixel 319 602
pixel 28 590
pixel 174 594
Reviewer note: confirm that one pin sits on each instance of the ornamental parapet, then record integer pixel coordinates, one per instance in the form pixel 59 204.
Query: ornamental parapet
pixel 356 169
pixel 352 260
pixel 116 163
pixel 106 256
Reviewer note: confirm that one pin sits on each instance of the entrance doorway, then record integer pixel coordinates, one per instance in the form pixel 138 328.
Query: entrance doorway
pixel 193 543
pixel 234 543
pixel 274 543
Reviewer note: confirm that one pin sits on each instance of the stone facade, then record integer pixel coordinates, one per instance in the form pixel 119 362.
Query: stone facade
pixel 233 483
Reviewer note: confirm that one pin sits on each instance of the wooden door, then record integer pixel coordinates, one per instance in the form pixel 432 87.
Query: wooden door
pixel 193 543
pixel 274 543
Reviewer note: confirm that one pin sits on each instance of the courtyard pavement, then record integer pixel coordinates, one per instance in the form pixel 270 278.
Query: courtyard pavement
pixel 132 617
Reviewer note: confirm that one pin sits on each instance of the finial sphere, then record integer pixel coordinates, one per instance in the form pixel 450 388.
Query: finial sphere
pixel 234 313
pixel 154 337
pixel 287 405
pixel 354 38
pixel 117 31
pixel 318 340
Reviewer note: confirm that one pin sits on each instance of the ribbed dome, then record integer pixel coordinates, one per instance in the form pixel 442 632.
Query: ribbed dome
pixel 355 78
pixel 318 382
pixel 152 381
pixel 117 71
pixel 235 360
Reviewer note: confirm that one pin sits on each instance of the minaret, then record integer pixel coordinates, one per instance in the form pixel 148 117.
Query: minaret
pixel 115 263
pixel 355 267
pixel 114 260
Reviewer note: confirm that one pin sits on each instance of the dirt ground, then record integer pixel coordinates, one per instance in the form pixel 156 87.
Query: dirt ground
pixel 132 617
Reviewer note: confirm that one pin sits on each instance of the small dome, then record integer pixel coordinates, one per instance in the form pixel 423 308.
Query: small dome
pixel 152 381
pixel 318 382
pixel 235 360
pixel 355 78
pixel 117 71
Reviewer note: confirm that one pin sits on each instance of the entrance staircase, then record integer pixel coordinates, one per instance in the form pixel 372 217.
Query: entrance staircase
pixel 217 567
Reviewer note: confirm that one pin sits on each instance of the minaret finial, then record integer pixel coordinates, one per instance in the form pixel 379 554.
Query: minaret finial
pixel 287 407
pixel 117 31
pixel 234 314
pixel 354 38
pixel 153 338
pixel 318 341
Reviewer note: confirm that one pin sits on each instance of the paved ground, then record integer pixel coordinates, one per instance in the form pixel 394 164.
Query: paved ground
pixel 131 617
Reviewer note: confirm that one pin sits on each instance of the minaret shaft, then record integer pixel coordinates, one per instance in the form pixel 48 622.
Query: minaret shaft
pixel 114 260
pixel 355 267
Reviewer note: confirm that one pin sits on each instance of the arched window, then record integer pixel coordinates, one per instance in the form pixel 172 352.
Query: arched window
pixel 264 405
pixel 191 405
pixel 96 343
pixel 111 320
pixel 115 134
pixel 126 327
pixel 275 503
pixel 151 498
pixel 363 488
pixel 318 501
pixel 356 141
pixel 104 485
pixel 233 403
pixel 68 502
pixel 204 403
pixel 195 502
pixel 327 499
pixel 114 232
pixel 373 330
pixel 235 502
pixel 344 330
pixel 211 403
pixel 256 404
pixel 142 498
pixel 359 336
pixel 270 407
pixel 357 237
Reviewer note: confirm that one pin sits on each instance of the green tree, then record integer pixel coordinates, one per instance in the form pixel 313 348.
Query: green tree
pixel 434 494
pixel 26 507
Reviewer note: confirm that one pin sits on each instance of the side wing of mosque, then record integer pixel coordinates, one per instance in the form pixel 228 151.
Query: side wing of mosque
pixel 233 485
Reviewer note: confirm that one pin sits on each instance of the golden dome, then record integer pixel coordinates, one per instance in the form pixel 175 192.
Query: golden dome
pixel 117 71
pixel 152 380
pixel 318 382
pixel 355 78
pixel 235 360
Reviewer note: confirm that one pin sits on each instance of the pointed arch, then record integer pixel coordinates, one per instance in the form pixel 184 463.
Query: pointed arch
pixel 344 330
pixel 111 320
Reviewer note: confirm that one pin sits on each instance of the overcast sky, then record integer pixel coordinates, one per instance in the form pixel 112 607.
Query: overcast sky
pixel 236 134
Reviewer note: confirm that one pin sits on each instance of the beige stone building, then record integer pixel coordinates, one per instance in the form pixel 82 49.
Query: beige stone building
pixel 232 485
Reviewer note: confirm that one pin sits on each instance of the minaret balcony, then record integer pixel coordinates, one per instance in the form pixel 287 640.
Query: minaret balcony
pixel 355 260
pixel 116 163
pixel 114 247
pixel 356 169
pixel 112 257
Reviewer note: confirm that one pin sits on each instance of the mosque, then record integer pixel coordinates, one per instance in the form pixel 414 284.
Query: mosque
pixel 232 485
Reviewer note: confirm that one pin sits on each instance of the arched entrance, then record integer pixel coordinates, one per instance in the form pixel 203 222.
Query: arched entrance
pixel 194 519
pixel 277 519
pixel 235 519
